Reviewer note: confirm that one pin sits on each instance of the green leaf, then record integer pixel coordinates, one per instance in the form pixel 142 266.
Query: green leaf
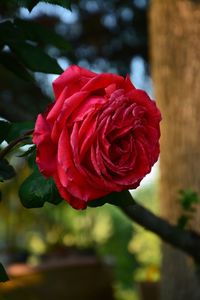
pixel 121 199
pixel 12 64
pixel 9 33
pixel 6 170
pixel 187 199
pixel 31 160
pixel 30 4
pixel 36 190
pixel 183 221
pixel 34 58
pixel 63 3
pixel 17 129
pixel 4 128
pixel 42 34
pixel 3 275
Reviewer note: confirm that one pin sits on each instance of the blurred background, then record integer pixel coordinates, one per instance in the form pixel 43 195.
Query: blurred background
pixel 104 36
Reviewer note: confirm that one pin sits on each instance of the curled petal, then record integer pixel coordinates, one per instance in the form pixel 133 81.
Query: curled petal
pixel 72 75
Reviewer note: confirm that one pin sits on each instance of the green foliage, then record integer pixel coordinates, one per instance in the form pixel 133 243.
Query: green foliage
pixel 35 58
pixel 36 190
pixel 3 275
pixel 145 245
pixel 17 129
pixel 4 128
pixel 6 170
pixel 10 62
pixel 30 4
pixel 26 41
pixel 117 247
pixel 41 34
pixel 187 199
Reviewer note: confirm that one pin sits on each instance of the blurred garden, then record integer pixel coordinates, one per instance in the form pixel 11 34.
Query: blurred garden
pixel 49 249
pixel 63 235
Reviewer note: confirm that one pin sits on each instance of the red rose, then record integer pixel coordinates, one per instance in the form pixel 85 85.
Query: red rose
pixel 99 136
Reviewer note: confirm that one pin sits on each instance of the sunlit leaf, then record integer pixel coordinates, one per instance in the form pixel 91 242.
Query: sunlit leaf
pixel 183 221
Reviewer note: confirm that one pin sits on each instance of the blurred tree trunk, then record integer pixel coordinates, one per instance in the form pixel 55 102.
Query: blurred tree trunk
pixel 175 54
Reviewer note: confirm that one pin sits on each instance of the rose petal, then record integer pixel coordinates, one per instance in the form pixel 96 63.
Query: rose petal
pixel 46 160
pixel 68 107
pixel 71 177
pixel 73 74
pixel 101 81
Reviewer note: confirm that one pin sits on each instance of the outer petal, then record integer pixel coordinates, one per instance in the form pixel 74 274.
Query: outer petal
pixel 46 150
pixel 67 109
pixel 102 81
pixel 70 76
pixel 74 202
pixel 70 177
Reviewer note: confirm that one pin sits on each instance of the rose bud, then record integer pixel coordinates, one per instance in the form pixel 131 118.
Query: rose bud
pixel 101 135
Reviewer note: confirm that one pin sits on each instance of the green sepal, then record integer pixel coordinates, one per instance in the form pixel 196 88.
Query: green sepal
pixel 121 199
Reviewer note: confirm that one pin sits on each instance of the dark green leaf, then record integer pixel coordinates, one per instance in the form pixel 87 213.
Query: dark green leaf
pixel 4 128
pixel 63 3
pixel 30 4
pixel 123 198
pixel 35 59
pixel 9 33
pixel 6 170
pixel 183 221
pixel 31 160
pixel 187 199
pixel 17 129
pixel 42 34
pixel 12 64
pixel 36 190
pixel 3 275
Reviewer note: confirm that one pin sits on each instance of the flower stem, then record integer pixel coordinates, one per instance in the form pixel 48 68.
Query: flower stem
pixel 13 143
pixel 185 240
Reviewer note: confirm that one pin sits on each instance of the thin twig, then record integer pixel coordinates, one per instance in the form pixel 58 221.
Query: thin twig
pixel 12 144
pixel 186 240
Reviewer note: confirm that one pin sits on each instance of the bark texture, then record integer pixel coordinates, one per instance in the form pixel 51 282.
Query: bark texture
pixel 175 57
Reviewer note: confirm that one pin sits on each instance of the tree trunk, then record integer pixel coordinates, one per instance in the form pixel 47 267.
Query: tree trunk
pixel 175 55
